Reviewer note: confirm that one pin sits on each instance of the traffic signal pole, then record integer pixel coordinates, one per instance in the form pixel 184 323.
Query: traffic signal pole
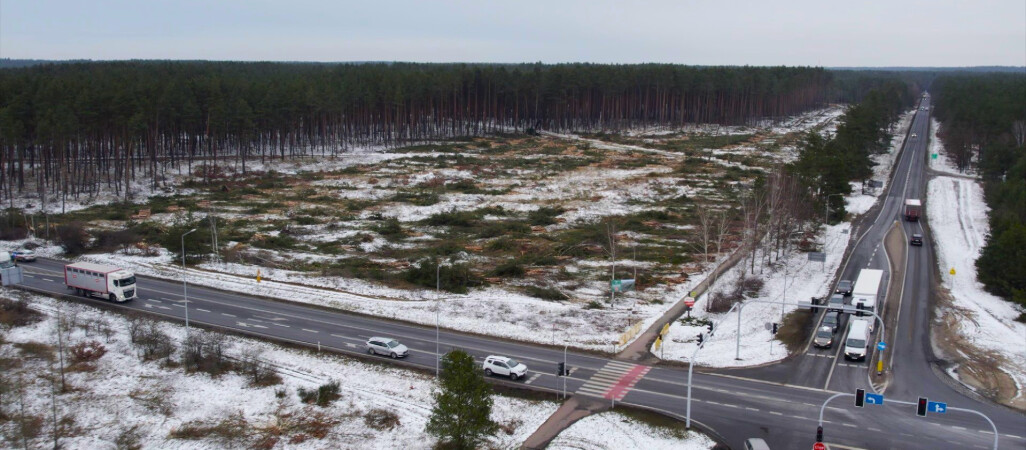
pixel 691 369
pixel 822 409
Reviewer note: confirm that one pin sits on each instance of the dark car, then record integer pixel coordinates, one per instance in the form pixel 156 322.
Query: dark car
pixel 832 319
pixel 917 239
pixel 844 287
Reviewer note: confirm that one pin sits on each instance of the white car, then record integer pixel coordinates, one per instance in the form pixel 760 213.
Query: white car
pixel 502 365
pixel 387 346
pixel 24 255
pixel 913 135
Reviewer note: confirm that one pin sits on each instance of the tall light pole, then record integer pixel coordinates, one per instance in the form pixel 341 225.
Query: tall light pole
pixel 185 285
pixel 438 305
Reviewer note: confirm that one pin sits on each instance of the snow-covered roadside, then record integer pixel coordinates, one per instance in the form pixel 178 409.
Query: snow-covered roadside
pixel 804 279
pixel 615 431
pixel 102 403
pixel 958 221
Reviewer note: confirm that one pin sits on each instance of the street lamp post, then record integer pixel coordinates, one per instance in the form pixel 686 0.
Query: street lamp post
pixel 438 286
pixel 185 284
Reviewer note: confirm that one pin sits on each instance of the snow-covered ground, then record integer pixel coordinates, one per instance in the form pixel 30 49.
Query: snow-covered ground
pixel 791 279
pixel 102 403
pixel 804 279
pixel 615 431
pixel 958 220
pixel 126 396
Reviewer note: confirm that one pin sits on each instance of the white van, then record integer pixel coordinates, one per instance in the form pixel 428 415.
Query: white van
pixel 858 340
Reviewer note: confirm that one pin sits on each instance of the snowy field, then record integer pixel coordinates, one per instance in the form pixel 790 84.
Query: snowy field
pixel 791 279
pixel 958 220
pixel 121 398
pixel 615 431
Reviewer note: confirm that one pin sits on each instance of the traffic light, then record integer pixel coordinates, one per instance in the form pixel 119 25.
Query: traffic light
pixel 819 434
pixel 775 325
pixel 860 397
pixel 921 407
pixel 560 369
pixel 700 338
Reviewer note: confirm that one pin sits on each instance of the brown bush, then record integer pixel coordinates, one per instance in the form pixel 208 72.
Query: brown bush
pixel 88 351
pixel 381 419
pixel 37 350
pixel 16 313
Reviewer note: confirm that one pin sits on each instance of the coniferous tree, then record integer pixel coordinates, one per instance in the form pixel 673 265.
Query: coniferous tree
pixel 461 416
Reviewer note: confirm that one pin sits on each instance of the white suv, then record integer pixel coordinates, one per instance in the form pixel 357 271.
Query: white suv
pixel 502 365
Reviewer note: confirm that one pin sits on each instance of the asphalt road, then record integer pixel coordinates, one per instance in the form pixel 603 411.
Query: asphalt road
pixel 780 403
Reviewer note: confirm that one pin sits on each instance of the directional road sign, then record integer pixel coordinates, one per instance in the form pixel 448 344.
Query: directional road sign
pixel 937 407
pixel 874 399
pixel 881 345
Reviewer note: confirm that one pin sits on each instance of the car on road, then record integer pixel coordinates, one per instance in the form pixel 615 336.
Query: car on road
pixel 844 287
pixel 913 135
pixel 836 303
pixel 24 254
pixel 502 365
pixel 855 348
pixel 387 346
pixel 756 444
pixel 832 319
pixel 917 239
pixel 824 337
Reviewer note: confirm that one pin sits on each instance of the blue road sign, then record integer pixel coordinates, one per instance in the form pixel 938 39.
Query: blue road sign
pixel 935 407
pixel 881 345
pixel 874 399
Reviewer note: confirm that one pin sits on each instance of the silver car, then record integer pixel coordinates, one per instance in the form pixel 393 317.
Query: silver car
pixel 824 337
pixel 387 346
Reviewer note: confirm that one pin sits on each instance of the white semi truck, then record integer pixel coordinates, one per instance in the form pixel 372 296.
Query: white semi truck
pixel 97 280
pixel 867 287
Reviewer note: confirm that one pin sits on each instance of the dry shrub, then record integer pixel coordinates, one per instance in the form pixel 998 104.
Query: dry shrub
pixel 129 439
pixel 157 400
pixel 16 313
pixel 229 431
pixel 85 352
pixel 37 350
pixel 322 396
pixel 381 419
pixel 511 427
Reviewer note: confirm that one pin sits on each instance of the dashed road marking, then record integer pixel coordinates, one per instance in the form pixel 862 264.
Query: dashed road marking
pixel 309 330
pixel 204 310
pixel 751 409
pixel 776 413
pixel 229 315
pixel 533 377
pixel 340 336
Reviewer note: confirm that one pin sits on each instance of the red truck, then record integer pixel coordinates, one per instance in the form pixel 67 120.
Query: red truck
pixel 913 207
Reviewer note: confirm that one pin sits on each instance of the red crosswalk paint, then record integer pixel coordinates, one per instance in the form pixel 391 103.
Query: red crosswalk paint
pixel 626 382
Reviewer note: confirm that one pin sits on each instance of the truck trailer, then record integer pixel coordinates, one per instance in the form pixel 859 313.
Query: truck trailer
pixel 913 207
pixel 867 287
pixel 97 280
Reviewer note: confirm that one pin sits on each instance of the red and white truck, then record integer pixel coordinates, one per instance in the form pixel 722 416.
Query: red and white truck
pixel 913 207
pixel 98 280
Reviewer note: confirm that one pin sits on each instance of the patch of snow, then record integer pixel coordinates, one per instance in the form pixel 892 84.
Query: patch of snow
pixel 615 431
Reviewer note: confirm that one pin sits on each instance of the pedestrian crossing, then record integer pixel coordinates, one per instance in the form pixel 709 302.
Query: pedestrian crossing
pixel 614 380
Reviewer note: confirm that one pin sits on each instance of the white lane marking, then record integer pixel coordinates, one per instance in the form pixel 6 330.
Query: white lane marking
pixel 204 310
pixel 176 304
pixel 163 307
pixel 776 413
pixel 229 315
pixel 340 336
pixel 533 377
pixel 309 330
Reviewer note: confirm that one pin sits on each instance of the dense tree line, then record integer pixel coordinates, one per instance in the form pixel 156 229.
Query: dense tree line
pixel 74 127
pixel 984 127
pixel 826 165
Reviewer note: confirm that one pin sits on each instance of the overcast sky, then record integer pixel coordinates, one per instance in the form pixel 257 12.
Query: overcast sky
pixel 820 33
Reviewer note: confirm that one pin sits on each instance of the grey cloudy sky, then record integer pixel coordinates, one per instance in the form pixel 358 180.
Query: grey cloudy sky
pixel 823 33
